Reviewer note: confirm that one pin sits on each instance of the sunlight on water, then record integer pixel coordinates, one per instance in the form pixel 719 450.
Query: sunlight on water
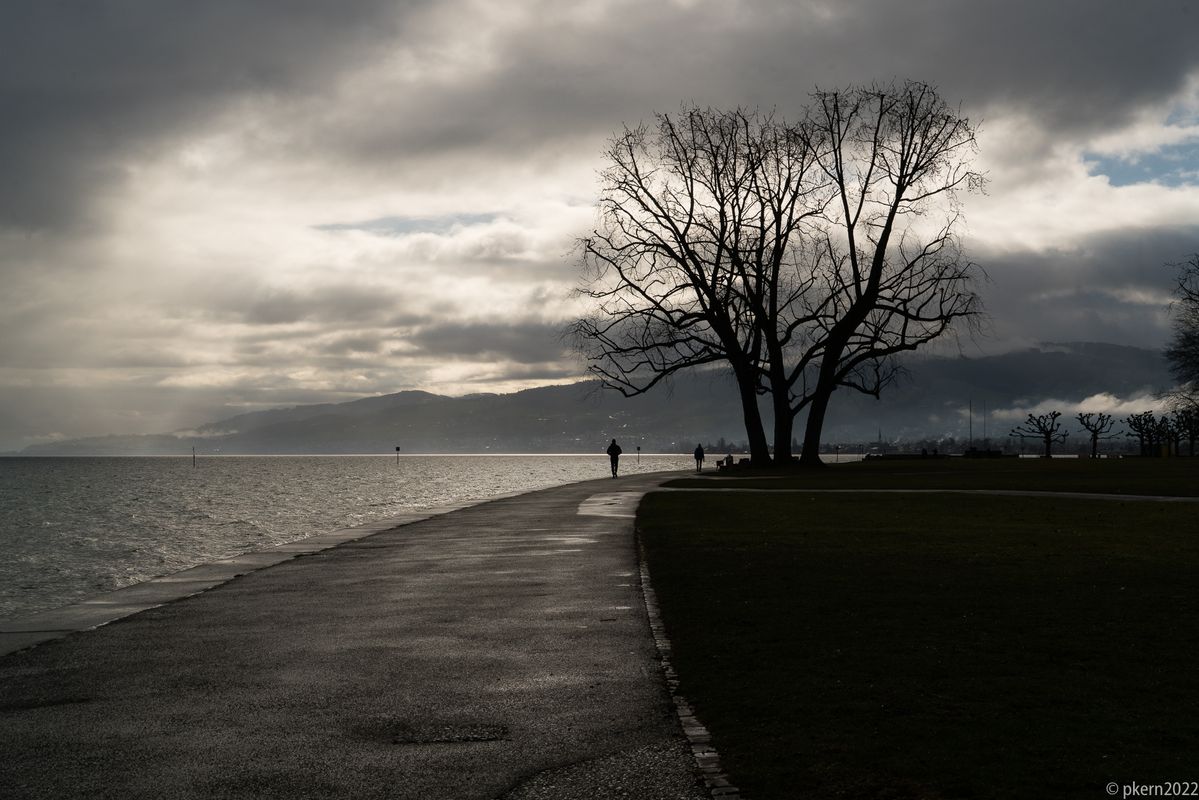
pixel 73 527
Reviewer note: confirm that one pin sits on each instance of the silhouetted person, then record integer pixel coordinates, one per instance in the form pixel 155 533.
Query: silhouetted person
pixel 699 457
pixel 614 452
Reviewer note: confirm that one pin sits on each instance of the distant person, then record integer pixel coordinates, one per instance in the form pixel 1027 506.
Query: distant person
pixel 614 452
pixel 699 458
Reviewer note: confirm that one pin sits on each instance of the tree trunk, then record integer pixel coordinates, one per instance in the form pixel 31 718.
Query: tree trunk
pixel 755 432
pixel 826 385
pixel 784 426
pixel 1048 447
pixel 810 457
pixel 1094 446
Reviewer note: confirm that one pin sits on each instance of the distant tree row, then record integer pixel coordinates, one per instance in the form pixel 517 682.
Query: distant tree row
pixel 1166 434
pixel 1043 427
pixel 1155 435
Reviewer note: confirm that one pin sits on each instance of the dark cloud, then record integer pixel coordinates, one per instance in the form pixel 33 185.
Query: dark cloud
pixel 273 305
pixel 1115 288
pixel 85 88
pixel 365 343
pixel 522 342
pixel 1071 66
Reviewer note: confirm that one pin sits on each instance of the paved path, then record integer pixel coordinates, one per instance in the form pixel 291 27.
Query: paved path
pixel 497 651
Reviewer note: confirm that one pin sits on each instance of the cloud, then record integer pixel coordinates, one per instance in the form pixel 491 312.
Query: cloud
pixel 394 226
pixel 521 342
pixel 1113 286
pixel 89 90
pixel 1102 403
pixel 214 206
pixel 206 434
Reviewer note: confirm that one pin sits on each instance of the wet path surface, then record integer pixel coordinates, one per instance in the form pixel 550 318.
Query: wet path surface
pixel 500 650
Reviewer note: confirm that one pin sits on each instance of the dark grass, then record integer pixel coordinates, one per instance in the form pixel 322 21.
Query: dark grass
pixel 1164 476
pixel 933 646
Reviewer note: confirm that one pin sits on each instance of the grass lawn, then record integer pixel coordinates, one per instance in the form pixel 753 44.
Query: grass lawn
pixel 1164 476
pixel 933 646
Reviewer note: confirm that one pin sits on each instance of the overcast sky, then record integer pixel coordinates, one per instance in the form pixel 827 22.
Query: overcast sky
pixel 213 207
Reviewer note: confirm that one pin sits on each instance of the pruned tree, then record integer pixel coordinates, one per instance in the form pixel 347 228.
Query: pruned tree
pixel 1099 427
pixel 1044 427
pixel 889 277
pixel 1143 427
pixel 1186 422
pixel 1182 354
pixel 1167 435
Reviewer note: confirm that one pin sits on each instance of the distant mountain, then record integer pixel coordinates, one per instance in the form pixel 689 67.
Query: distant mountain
pixel 926 403
pixel 929 400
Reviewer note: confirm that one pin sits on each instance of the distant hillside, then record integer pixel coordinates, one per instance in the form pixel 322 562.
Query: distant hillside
pixel 928 401
pixel 700 407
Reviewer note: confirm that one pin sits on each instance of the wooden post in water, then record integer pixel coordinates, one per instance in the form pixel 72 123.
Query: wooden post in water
pixel 193 456
pixel 397 455
pixel 638 455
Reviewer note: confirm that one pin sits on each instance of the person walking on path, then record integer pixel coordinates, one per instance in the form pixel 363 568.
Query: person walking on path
pixel 614 452
pixel 699 458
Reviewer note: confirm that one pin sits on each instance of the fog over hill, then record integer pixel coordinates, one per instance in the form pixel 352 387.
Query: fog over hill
pixel 930 401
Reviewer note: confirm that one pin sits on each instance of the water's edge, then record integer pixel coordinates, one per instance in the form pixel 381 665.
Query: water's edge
pixel 29 630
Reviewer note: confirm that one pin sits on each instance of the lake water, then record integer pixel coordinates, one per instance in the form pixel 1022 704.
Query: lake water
pixel 74 527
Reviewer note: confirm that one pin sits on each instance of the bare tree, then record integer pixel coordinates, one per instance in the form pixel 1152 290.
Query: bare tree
pixel 1044 427
pixel 1143 427
pixel 802 256
pixel 1168 436
pixel 1098 426
pixel 889 278
pixel 698 219
pixel 1182 354
pixel 1186 422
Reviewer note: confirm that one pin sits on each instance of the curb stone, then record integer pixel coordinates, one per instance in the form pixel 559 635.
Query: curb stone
pixel 707 759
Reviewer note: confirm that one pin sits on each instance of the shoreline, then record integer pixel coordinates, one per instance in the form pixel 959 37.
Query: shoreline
pixel 24 631
pixel 499 651
pixel 75 527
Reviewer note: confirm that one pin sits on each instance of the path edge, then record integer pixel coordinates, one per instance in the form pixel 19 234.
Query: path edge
pixel 707 759
pixel 26 631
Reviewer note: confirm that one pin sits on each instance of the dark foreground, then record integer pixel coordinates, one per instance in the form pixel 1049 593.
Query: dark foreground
pixel 498 651
pixel 937 645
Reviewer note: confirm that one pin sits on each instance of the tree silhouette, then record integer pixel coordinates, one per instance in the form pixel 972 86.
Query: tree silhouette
pixel 803 256
pixel 1167 433
pixel 694 260
pixel 1182 354
pixel 891 277
pixel 669 262
pixel 1186 422
pixel 1098 426
pixel 1044 427
pixel 1143 427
